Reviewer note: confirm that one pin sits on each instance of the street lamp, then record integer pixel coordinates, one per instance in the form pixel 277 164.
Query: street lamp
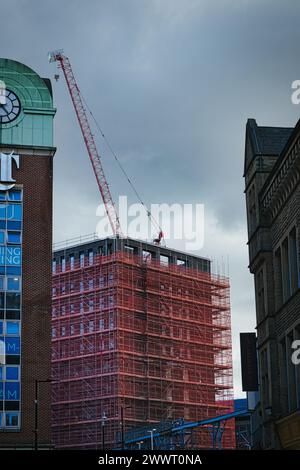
pixel 36 410
pixel 151 437
pixel 140 444
pixel 123 425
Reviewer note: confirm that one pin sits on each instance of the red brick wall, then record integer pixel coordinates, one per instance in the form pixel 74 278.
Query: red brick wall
pixel 35 176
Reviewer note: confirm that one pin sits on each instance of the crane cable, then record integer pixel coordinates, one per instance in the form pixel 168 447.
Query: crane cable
pixel 149 214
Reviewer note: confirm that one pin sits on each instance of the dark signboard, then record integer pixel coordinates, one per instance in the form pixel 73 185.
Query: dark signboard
pixel 249 362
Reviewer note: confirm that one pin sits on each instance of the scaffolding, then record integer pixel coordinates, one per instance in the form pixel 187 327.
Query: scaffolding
pixel 136 342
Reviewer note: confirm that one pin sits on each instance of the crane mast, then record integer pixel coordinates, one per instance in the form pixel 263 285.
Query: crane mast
pixel 65 65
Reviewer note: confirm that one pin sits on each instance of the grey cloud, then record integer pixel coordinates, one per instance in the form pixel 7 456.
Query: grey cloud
pixel 172 84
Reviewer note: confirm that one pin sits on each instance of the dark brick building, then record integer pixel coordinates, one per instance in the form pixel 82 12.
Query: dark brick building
pixel 272 172
pixel 26 149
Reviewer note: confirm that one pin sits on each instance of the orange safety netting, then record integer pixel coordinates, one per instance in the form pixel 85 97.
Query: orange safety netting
pixel 137 338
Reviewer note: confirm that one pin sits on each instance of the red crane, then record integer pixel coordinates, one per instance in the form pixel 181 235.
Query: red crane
pixel 64 64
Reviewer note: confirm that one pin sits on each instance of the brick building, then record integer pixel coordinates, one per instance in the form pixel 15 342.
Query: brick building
pixel 272 171
pixel 141 335
pixel 26 148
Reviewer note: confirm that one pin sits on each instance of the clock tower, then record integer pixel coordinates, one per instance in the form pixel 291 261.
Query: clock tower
pixel 26 176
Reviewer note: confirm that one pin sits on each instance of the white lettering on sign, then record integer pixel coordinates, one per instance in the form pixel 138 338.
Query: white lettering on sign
pixel 6 163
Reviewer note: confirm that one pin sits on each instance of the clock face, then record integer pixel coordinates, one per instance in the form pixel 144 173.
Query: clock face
pixel 10 107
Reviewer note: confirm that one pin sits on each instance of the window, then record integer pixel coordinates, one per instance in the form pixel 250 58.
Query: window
pixel 293 258
pixel 265 378
pixel 286 270
pixel 72 262
pixel 13 225
pixel 12 270
pixel 261 298
pixel 286 281
pixel 164 260
pixel 12 300
pixel 91 257
pixel 2 211
pixel 180 262
pixel 278 278
pixel 252 220
pixel 291 375
pixel 12 345
pixel 13 283
pixel 2 237
pixel 12 419
pixel 12 373
pixel 14 237
pixel 2 300
pixel 14 212
pixel 81 259
pixel 12 328
pixel 54 266
pixel 15 195
pixel 63 264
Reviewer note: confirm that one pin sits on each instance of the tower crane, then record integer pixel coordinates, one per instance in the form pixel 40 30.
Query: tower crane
pixel 77 100
pixel 65 65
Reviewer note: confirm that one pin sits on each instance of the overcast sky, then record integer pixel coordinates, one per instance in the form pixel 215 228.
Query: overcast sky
pixel 172 83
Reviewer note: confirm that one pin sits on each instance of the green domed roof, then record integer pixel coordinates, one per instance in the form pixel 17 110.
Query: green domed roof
pixel 34 125
pixel 32 90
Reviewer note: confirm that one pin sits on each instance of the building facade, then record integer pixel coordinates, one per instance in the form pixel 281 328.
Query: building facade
pixel 272 164
pixel 26 152
pixel 141 335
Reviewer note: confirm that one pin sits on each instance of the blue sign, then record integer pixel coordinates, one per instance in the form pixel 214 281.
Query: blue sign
pixel 12 391
pixel 10 256
pixel 12 345
pixel 10 341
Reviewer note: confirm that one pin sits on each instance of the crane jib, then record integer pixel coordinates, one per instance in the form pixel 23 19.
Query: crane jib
pixel 94 155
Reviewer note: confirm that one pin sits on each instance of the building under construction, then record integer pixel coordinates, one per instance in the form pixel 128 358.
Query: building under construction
pixel 141 335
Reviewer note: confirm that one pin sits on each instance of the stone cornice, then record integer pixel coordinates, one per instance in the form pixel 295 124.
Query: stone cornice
pixel 283 182
pixel 31 151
